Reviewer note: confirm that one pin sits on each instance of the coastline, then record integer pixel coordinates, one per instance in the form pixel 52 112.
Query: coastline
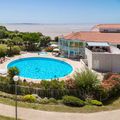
pixel 51 30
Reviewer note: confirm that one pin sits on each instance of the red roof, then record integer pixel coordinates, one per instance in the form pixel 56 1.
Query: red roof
pixel 107 26
pixel 94 37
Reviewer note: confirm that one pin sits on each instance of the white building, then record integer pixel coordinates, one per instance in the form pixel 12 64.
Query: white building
pixel 99 46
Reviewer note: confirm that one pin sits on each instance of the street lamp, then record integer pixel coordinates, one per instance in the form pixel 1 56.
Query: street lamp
pixel 15 78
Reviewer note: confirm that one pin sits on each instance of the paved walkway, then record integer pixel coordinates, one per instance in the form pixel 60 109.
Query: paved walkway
pixel 30 114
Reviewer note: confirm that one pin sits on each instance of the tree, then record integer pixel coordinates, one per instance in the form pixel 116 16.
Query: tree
pixel 3 51
pixel 16 50
pixel 10 44
pixel 3 28
pixel 17 40
pixel 13 71
pixel 56 39
pixel 3 34
pixel 44 40
pixel 31 39
pixel 12 35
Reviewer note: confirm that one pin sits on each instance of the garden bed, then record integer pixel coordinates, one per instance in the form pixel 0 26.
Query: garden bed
pixel 113 104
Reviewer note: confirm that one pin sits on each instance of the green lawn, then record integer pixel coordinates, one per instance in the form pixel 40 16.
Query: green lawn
pixel 6 118
pixel 3 45
pixel 113 104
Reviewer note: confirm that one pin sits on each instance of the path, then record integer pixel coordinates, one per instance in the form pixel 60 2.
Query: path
pixel 30 114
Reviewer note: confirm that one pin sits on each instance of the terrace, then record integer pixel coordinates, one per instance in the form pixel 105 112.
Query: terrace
pixel 98 47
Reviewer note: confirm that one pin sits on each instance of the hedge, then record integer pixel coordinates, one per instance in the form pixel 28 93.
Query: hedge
pixel 29 98
pixel 73 101
pixel 94 102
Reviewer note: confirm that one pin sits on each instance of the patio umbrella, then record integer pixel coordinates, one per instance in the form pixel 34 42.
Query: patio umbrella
pixel 54 45
pixel 56 50
pixel 3 71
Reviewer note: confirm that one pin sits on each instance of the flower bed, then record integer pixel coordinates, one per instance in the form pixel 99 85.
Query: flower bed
pixel 111 81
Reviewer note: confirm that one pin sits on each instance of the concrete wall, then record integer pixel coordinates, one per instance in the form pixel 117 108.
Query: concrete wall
pixel 104 62
pixel 88 56
pixel 101 62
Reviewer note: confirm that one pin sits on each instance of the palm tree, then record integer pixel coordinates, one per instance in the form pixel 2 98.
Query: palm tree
pixel 13 71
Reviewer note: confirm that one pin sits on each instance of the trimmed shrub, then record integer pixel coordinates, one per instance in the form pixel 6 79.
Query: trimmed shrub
pixel 29 98
pixel 73 101
pixel 52 100
pixel 44 101
pixel 94 102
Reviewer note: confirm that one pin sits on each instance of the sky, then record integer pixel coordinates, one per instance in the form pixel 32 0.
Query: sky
pixel 59 11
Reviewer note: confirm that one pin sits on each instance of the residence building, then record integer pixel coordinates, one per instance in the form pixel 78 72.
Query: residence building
pixel 99 47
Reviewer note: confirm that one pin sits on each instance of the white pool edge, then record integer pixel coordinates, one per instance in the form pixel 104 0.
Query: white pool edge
pixel 38 80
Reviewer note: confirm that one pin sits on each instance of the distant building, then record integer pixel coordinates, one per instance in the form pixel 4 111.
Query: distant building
pixel 107 28
pixel 100 47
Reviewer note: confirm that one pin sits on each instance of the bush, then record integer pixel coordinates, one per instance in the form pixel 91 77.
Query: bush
pixel 94 102
pixel 56 39
pixel 10 96
pixel 88 82
pixel 73 101
pixel 44 101
pixel 70 83
pixel 16 50
pixel 29 98
pixel 107 76
pixel 49 49
pixel 53 84
pixel 52 100
pixel 3 50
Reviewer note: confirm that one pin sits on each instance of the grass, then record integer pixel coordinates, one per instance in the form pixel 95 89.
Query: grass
pixel 6 118
pixel 114 104
pixel 3 45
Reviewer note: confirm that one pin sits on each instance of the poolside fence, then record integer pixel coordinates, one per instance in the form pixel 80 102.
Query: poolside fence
pixel 51 93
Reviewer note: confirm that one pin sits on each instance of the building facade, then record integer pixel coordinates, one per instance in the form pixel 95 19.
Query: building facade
pixel 72 48
pixel 98 57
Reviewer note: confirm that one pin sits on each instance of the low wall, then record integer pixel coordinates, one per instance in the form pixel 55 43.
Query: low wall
pixel 88 55
pixel 103 62
pixel 106 62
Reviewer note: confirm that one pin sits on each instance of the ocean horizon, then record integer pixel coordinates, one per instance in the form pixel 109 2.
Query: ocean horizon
pixel 49 29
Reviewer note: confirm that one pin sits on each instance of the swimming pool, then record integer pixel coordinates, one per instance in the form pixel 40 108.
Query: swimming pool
pixel 41 68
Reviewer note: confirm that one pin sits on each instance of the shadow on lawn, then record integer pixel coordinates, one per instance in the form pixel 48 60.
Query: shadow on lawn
pixel 112 100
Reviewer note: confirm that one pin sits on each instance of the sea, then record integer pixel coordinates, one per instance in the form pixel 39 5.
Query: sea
pixel 51 30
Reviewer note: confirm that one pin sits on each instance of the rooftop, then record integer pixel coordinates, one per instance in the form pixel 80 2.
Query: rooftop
pixel 107 26
pixel 93 36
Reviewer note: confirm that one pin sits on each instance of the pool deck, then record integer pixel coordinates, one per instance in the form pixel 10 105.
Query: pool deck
pixel 77 65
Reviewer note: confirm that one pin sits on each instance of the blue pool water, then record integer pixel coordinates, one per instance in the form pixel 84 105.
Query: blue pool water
pixel 41 68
